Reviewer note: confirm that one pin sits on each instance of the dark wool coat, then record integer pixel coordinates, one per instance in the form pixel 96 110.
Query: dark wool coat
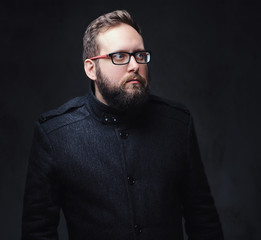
pixel 117 176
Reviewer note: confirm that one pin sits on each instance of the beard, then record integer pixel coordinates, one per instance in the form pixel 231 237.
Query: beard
pixel 124 96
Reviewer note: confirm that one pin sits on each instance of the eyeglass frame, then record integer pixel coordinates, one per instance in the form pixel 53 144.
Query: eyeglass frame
pixel 130 54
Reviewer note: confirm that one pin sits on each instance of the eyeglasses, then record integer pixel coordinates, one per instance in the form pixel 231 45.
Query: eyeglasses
pixel 122 58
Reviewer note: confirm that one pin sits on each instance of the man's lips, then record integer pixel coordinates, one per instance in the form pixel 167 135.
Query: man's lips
pixel 134 80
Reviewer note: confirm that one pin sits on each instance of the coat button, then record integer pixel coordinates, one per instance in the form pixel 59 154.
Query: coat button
pixel 124 134
pixel 42 119
pixel 131 180
pixel 137 229
pixel 114 120
pixel 106 118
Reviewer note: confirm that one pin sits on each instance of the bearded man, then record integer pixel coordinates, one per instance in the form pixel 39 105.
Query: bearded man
pixel 120 163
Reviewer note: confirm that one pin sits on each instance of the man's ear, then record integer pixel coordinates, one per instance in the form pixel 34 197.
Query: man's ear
pixel 90 69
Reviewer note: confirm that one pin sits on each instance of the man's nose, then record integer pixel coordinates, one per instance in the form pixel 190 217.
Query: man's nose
pixel 133 66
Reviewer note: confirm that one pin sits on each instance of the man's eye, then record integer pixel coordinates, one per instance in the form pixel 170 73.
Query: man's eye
pixel 140 56
pixel 118 56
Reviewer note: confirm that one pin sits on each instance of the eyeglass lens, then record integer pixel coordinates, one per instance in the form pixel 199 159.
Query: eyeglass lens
pixel 121 58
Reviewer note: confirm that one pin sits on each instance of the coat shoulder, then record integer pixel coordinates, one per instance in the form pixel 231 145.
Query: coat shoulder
pixel 169 106
pixel 68 113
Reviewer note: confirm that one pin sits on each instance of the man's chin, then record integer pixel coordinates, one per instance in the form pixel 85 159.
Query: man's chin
pixel 133 87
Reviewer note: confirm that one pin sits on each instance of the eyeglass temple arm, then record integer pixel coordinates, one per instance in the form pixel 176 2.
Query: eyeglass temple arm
pixel 102 56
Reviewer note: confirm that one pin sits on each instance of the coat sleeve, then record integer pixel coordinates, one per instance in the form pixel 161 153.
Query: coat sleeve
pixel 41 199
pixel 201 217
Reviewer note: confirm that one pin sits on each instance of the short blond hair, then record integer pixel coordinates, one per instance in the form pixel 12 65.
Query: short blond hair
pixel 104 22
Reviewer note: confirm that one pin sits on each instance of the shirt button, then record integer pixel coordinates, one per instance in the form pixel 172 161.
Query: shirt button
pixel 131 180
pixel 137 229
pixel 124 134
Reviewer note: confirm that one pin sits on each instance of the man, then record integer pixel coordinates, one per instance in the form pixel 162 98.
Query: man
pixel 120 163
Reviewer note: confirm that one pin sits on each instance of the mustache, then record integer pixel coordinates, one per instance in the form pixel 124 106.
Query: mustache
pixel 136 77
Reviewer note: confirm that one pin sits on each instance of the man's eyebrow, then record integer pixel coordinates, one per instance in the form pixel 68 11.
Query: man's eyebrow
pixel 139 49
pixel 136 50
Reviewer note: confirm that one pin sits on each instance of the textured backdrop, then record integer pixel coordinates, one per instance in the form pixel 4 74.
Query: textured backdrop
pixel 205 54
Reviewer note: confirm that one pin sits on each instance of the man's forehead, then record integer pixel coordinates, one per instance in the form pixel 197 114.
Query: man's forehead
pixel 121 37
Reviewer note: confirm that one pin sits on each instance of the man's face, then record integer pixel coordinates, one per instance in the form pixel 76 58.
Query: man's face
pixel 121 86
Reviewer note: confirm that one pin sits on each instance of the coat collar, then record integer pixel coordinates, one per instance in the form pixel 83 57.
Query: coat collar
pixel 109 115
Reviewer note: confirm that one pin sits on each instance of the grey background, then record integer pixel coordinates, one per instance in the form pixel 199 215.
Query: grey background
pixel 205 54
